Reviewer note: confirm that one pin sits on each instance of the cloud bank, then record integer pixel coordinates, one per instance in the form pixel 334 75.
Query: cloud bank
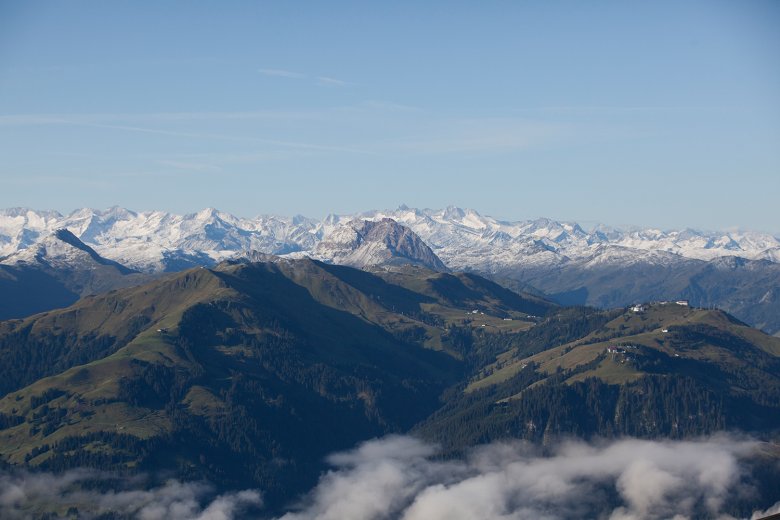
pixel 27 495
pixel 395 478
pixel 400 478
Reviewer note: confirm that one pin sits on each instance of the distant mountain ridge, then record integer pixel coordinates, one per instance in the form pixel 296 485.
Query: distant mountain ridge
pixel 54 272
pixel 604 266
pixel 249 374
pixel 460 237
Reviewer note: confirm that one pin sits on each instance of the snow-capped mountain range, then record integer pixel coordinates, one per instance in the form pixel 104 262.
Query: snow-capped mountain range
pixel 606 267
pixel 462 238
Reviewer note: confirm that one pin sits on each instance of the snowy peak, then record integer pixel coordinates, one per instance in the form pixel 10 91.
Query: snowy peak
pixel 453 214
pixel 460 238
pixel 361 243
pixel 69 238
pixel 61 249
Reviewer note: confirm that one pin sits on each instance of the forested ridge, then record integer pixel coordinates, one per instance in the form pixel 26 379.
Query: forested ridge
pixel 250 374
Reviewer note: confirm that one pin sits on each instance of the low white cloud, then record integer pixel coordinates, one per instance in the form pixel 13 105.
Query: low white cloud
pixel 401 478
pixel 396 478
pixel 24 495
pixel 774 510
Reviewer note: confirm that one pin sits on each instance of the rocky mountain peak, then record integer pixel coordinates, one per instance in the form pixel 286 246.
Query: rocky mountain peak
pixel 362 243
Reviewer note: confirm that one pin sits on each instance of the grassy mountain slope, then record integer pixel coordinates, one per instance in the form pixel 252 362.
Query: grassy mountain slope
pixel 247 374
pixel 250 373
pixel 671 371
pixel 94 327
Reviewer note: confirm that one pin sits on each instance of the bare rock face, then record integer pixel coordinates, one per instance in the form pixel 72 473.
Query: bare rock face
pixel 362 243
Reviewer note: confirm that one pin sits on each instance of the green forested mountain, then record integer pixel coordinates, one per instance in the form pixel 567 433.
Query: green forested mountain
pixel 250 373
pixel 667 370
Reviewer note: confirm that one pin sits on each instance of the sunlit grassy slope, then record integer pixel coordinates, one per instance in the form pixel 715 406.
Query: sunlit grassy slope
pixel 224 373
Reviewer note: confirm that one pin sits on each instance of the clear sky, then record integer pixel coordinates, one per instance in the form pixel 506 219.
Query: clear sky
pixel 663 113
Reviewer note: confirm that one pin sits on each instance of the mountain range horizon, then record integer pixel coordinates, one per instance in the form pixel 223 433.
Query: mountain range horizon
pixel 604 267
pixel 141 239
pixel 586 224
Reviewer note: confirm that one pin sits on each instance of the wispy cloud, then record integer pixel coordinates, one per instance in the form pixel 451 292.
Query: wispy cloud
pixel 323 81
pixel 403 129
pixel 281 73
pixel 626 108
pixel 220 161
pixel 205 136
pixel 260 115
pixel 388 106
pixel 174 500
pixel 331 82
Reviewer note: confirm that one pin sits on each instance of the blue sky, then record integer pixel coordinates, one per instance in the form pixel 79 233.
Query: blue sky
pixel 661 113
